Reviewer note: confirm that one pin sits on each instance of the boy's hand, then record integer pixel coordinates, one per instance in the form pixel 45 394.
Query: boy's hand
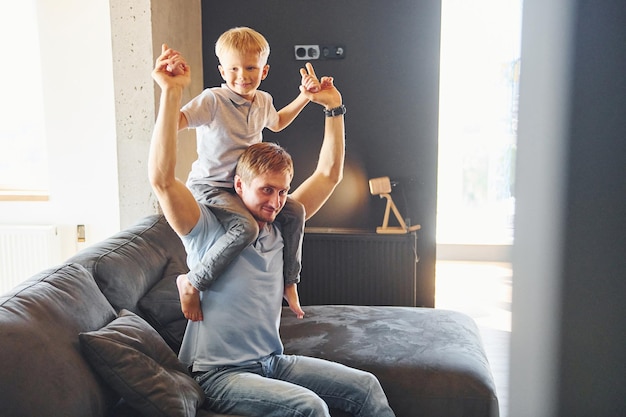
pixel 326 95
pixel 309 80
pixel 171 69
pixel 176 70
pixel 177 64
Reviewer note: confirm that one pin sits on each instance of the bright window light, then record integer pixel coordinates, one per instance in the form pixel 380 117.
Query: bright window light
pixel 23 153
pixel 480 66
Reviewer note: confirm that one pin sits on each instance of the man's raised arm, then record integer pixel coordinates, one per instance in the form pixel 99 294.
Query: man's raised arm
pixel 178 204
pixel 316 189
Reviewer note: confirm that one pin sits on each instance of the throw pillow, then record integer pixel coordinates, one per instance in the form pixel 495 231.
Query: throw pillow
pixel 137 363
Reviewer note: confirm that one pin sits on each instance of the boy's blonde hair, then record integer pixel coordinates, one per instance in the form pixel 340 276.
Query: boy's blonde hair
pixel 261 158
pixel 242 39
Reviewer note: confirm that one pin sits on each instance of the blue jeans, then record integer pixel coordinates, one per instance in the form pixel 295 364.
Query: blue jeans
pixel 289 385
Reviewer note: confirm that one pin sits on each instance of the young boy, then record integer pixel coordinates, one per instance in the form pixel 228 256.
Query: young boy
pixel 228 119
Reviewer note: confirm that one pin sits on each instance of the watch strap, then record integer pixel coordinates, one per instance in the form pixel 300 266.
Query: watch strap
pixel 337 111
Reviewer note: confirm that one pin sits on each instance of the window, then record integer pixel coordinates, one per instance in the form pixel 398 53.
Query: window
pixel 23 153
pixel 480 63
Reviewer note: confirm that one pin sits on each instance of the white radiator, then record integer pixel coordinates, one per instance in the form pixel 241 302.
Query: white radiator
pixel 26 250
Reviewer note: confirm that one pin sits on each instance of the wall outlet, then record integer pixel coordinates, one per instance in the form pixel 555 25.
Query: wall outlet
pixel 307 52
pixel 312 52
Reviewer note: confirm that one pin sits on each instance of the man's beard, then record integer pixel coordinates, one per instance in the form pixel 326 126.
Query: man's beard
pixel 262 216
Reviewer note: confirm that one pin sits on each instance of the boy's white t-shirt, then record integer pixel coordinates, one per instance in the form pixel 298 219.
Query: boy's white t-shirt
pixel 226 124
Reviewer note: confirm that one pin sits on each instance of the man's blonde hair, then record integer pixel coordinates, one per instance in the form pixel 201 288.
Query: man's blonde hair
pixel 261 158
pixel 244 40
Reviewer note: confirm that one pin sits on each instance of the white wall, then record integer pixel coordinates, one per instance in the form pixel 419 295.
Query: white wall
pixel 79 108
pixel 99 105
pixel 540 189
pixel 131 37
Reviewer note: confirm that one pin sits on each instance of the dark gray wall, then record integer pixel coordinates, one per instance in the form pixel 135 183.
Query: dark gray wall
pixel 568 344
pixel 389 80
pixel 593 339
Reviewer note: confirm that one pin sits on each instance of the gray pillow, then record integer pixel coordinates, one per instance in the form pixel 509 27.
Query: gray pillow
pixel 137 363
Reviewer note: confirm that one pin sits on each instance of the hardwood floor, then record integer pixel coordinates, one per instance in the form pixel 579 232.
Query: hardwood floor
pixel 483 291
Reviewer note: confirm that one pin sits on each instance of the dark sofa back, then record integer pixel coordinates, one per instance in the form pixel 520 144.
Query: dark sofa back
pixel 43 369
pixel 128 264
pixel 136 269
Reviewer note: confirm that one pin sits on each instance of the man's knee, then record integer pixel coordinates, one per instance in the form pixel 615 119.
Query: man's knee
pixel 369 380
pixel 370 383
pixel 311 405
pixel 374 401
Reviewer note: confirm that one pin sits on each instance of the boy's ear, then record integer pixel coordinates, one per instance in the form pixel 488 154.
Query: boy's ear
pixel 221 70
pixel 266 70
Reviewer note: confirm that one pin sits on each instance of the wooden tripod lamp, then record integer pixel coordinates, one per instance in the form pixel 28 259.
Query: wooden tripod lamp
pixel 382 187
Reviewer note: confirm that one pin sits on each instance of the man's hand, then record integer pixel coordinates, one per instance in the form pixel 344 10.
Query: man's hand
pixel 171 69
pixel 325 94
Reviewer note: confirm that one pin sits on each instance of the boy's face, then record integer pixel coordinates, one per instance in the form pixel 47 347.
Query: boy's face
pixel 243 72
pixel 265 196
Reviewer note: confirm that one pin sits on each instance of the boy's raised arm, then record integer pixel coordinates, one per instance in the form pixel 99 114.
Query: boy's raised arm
pixel 288 114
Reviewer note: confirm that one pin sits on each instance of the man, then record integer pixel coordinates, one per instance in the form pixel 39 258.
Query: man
pixel 235 352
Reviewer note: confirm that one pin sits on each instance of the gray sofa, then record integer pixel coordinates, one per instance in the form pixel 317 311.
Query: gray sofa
pixel 97 336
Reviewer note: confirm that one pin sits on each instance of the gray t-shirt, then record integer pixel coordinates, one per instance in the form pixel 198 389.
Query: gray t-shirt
pixel 242 307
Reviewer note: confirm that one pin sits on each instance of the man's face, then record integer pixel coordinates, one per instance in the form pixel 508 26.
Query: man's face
pixel 243 72
pixel 265 195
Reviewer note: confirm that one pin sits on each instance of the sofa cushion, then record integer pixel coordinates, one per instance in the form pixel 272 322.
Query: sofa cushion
pixel 430 362
pixel 129 263
pixel 43 369
pixel 131 356
pixel 161 308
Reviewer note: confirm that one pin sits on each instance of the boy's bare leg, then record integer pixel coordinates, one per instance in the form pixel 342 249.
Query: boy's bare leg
pixel 189 299
pixel 291 295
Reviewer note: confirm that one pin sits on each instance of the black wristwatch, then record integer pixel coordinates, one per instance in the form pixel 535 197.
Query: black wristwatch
pixel 337 111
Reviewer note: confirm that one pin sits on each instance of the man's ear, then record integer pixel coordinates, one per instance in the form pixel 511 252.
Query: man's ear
pixel 238 183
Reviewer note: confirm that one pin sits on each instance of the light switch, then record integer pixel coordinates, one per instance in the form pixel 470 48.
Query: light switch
pixel 80 233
